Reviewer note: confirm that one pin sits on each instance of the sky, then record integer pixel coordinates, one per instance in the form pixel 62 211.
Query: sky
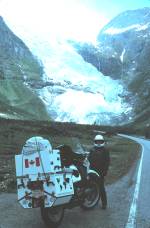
pixel 75 19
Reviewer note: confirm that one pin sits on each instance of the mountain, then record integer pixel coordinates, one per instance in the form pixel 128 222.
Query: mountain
pixel 58 82
pixel 123 53
pixel 107 83
pixel 72 89
pixel 18 69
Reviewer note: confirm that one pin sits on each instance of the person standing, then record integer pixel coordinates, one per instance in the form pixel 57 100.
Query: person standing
pixel 99 159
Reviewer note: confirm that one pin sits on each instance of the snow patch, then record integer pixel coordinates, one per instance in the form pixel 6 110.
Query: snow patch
pixel 122 55
pixel 3 115
pixel 137 27
pixel 142 27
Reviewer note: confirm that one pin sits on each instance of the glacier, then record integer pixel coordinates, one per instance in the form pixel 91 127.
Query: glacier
pixel 80 93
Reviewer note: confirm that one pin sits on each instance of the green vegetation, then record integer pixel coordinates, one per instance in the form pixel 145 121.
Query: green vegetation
pixel 17 67
pixel 14 133
pixel 19 102
pixel 124 152
pixel 32 68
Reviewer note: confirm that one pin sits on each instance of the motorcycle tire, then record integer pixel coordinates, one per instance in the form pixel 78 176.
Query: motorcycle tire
pixel 52 216
pixel 92 195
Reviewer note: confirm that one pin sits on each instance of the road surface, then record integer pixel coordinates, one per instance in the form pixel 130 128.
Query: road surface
pixel 129 204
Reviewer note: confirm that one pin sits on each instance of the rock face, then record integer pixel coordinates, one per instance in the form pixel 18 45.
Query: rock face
pixel 105 62
pixel 123 52
pixel 126 38
pixel 15 58
pixel 18 67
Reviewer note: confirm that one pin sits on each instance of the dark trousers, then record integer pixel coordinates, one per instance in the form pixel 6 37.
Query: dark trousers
pixel 103 195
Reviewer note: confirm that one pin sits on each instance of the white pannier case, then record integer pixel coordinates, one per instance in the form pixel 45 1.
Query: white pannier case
pixel 40 176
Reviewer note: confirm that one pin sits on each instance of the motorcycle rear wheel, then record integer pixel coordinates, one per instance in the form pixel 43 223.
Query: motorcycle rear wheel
pixel 92 195
pixel 52 217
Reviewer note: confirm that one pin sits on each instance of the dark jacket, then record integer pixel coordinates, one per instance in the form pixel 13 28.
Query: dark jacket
pixel 99 159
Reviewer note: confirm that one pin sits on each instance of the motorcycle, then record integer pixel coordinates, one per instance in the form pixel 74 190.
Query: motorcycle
pixel 68 184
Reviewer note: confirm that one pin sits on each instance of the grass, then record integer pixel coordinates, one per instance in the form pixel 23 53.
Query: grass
pixel 124 152
pixel 19 101
pixel 14 133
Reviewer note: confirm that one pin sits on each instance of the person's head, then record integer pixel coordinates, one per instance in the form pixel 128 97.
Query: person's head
pixel 99 141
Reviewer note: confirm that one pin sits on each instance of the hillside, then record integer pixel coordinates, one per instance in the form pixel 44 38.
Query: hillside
pixel 123 53
pixel 18 68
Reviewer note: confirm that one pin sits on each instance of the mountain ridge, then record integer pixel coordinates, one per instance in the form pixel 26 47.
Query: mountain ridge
pixel 123 52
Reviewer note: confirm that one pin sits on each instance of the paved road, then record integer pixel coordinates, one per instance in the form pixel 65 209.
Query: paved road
pixel 129 204
pixel 141 197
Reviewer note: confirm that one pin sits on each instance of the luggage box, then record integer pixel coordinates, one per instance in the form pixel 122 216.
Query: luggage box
pixel 41 181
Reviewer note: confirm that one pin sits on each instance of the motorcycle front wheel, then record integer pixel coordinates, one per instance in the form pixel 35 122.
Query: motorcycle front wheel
pixel 52 217
pixel 91 195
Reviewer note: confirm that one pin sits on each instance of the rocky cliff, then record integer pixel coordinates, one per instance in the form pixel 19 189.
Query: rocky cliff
pixel 123 52
pixel 18 68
